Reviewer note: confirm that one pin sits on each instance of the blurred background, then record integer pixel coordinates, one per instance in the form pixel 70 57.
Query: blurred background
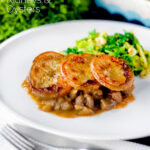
pixel 20 15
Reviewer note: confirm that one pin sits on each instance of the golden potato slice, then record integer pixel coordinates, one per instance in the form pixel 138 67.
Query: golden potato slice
pixel 44 77
pixel 112 72
pixel 76 69
pixel 44 71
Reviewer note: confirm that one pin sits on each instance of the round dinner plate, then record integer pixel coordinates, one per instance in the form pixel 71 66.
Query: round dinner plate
pixel 16 56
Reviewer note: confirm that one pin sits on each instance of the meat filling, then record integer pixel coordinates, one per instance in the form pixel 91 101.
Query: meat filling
pixel 100 99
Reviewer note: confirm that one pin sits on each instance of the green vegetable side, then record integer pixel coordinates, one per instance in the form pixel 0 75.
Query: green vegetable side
pixel 125 46
pixel 19 15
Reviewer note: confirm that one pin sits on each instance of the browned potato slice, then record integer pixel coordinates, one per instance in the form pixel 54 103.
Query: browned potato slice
pixel 44 77
pixel 76 69
pixel 112 72
pixel 44 71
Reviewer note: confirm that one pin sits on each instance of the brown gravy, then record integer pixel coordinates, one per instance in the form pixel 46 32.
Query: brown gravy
pixel 70 113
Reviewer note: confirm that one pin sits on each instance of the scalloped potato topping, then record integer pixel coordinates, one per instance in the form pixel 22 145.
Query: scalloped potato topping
pixel 79 85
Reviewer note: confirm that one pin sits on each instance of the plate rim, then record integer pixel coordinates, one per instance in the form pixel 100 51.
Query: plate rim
pixel 49 129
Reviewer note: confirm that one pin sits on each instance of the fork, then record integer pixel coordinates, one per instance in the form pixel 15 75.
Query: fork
pixel 22 143
pixel 16 139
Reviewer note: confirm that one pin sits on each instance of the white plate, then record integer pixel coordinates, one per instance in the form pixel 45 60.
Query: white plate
pixel 16 55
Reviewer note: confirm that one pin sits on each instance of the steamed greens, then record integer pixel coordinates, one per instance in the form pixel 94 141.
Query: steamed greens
pixel 125 46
